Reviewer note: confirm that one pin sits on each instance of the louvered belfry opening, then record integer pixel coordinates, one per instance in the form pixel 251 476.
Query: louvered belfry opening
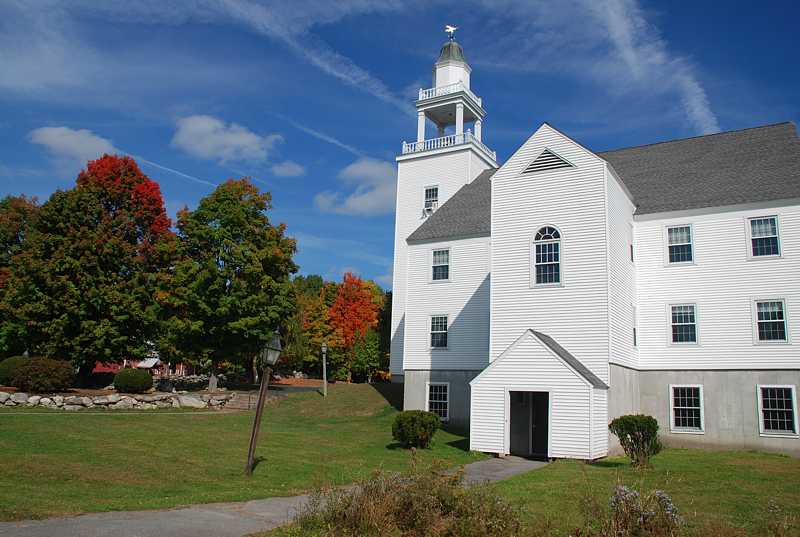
pixel 547 161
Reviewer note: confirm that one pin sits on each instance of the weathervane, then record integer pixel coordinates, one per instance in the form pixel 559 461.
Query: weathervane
pixel 451 30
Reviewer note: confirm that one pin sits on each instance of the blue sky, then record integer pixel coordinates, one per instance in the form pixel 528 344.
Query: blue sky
pixel 313 99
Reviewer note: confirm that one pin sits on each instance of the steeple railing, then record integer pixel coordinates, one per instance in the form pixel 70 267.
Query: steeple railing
pixel 455 87
pixel 446 141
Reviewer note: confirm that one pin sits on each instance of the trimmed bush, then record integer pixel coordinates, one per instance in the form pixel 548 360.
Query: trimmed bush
pixel 8 367
pixel 130 380
pixel 44 375
pixel 415 428
pixel 638 436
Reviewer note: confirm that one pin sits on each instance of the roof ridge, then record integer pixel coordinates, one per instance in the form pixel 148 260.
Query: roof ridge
pixel 696 137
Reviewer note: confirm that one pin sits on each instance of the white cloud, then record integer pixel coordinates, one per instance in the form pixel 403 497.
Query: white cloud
pixel 72 144
pixel 209 138
pixel 608 41
pixel 288 168
pixel 374 189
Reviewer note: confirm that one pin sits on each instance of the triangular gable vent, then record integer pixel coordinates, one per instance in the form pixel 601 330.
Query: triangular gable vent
pixel 547 161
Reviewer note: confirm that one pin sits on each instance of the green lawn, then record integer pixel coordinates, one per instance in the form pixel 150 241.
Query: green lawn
pixel 709 488
pixel 57 463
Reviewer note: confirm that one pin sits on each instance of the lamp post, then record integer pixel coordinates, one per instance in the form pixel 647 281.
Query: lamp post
pixel 324 369
pixel 268 356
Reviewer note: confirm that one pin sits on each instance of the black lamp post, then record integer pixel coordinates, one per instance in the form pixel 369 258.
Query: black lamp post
pixel 324 369
pixel 268 357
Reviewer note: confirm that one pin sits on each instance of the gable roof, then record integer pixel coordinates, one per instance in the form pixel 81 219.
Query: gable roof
pixel 466 214
pixel 730 168
pixel 715 170
pixel 553 346
pixel 573 362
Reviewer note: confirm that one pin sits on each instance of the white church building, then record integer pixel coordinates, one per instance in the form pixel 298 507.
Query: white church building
pixel 537 299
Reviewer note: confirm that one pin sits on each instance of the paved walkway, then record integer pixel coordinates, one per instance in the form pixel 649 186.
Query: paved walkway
pixel 219 519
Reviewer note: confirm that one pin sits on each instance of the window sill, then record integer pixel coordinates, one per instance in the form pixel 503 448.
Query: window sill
pixel 768 342
pixel 763 257
pixel 680 264
pixel 687 431
pixel 439 281
pixel 547 285
pixel 793 436
pixel 684 344
pixel 434 349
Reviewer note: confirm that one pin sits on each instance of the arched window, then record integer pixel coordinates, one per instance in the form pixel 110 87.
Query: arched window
pixel 547 256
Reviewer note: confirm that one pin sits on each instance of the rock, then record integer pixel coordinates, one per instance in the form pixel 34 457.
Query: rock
pixel 102 400
pixel 148 406
pixel 19 397
pixel 4 397
pixel 163 404
pixel 190 402
pixel 205 397
pixel 71 408
pixel 73 400
pixel 213 382
pixel 58 400
pixel 161 396
pixel 114 398
pixel 213 402
pixel 46 401
pixel 124 403
pixel 145 398
pixel 33 400
pixel 87 401
pixel 10 403
pixel 175 403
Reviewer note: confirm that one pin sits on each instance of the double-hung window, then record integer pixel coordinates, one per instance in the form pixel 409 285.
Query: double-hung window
pixel 439 332
pixel 771 321
pixel 686 408
pixel 778 408
pixel 441 265
pixel 683 323
pixel 679 244
pixel 764 238
pixel 431 199
pixel 547 256
pixel 439 399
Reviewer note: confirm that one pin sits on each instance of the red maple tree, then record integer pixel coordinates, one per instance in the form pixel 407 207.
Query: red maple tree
pixel 354 311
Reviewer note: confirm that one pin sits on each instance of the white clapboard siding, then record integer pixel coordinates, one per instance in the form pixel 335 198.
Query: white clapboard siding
pixel 572 199
pixel 621 273
pixel 464 298
pixel 722 282
pixel 599 441
pixel 530 366
pixel 449 171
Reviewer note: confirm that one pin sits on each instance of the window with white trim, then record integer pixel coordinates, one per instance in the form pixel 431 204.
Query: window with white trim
pixel 778 409
pixel 687 408
pixel 439 399
pixel 771 320
pixel 431 199
pixel 683 321
pixel 679 244
pixel 439 331
pixel 547 256
pixel 441 265
pixel 764 239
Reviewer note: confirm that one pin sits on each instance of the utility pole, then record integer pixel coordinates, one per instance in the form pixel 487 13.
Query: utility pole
pixel 324 369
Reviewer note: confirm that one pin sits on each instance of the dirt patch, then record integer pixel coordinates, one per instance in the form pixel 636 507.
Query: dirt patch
pixel 291 381
pixel 8 389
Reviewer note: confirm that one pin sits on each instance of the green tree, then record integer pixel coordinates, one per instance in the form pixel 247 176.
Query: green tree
pixel 366 356
pixel 82 282
pixel 231 288
pixel 17 214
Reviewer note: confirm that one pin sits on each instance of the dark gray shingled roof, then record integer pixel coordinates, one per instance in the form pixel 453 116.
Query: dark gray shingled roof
pixel 466 214
pixel 573 362
pixel 729 168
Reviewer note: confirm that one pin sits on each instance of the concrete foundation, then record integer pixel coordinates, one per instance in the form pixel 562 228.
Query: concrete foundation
pixel 415 392
pixel 730 406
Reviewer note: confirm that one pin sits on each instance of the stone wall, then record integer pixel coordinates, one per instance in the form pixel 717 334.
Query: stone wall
pixel 115 401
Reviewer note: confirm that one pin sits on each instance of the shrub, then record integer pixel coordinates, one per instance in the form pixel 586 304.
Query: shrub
pixel 427 502
pixel 638 436
pixel 415 428
pixel 131 380
pixel 43 375
pixel 8 367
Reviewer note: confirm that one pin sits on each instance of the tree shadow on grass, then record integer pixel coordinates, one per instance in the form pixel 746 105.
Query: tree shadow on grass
pixel 392 392
pixel 607 463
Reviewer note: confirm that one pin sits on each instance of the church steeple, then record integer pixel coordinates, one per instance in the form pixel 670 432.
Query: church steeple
pixel 450 103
